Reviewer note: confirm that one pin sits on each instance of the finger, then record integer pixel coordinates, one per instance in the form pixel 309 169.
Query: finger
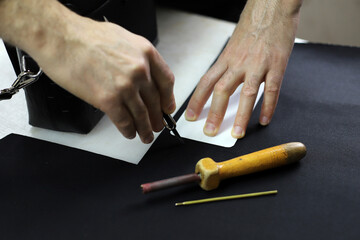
pixel 271 96
pixel 164 80
pixel 151 98
pixel 223 89
pixel 247 99
pixel 123 121
pixel 139 113
pixel 203 91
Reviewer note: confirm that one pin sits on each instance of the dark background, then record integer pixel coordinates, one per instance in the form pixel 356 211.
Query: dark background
pixel 229 10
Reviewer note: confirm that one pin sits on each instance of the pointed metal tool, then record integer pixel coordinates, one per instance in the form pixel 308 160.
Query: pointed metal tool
pixel 170 124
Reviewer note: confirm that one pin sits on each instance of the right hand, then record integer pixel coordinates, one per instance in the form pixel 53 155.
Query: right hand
pixel 116 71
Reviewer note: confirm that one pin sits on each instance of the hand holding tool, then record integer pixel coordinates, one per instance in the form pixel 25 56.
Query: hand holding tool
pixel 209 173
pixel 168 120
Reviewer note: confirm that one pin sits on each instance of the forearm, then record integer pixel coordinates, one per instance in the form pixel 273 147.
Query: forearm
pixel 267 10
pixel 259 15
pixel 36 26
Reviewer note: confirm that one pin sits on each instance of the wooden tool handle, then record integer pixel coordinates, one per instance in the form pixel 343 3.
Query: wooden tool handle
pixel 212 173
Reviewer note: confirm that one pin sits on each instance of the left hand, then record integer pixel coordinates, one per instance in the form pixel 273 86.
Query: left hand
pixel 257 52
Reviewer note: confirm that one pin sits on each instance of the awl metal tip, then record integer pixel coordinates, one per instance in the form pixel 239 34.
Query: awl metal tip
pixel 177 135
pixel 170 124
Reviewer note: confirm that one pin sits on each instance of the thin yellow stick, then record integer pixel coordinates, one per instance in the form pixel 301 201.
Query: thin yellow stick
pixel 256 194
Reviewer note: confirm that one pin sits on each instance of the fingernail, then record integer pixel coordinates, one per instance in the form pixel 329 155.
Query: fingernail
pixel 264 121
pixel 210 129
pixel 149 139
pixel 190 115
pixel 237 132
pixel 172 107
pixel 131 136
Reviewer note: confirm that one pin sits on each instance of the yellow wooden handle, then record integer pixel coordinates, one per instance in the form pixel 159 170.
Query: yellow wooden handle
pixel 212 173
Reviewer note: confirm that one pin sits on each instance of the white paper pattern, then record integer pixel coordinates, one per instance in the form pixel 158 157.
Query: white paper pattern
pixel 194 130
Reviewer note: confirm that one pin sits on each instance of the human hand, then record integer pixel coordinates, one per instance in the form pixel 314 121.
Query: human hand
pixel 257 52
pixel 116 71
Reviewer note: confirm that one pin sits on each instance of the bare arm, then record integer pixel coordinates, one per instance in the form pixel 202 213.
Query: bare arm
pixel 114 70
pixel 257 52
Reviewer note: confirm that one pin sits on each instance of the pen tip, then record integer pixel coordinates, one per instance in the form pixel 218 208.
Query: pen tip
pixel 178 136
pixel 179 204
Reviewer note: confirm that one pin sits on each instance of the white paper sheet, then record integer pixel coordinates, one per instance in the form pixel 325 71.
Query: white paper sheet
pixel 194 130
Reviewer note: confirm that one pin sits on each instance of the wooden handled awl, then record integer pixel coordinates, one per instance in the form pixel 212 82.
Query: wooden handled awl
pixel 209 173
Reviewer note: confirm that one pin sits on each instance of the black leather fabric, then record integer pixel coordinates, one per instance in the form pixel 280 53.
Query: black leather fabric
pixel 55 192
pixel 54 108
pixel 228 10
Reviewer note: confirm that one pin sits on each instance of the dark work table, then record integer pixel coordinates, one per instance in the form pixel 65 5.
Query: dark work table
pixel 49 191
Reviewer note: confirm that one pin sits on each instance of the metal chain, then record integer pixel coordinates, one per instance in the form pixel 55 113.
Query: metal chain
pixel 24 79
